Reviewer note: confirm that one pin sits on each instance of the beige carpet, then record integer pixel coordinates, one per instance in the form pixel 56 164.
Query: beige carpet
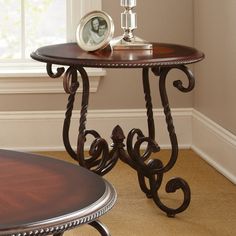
pixel 212 210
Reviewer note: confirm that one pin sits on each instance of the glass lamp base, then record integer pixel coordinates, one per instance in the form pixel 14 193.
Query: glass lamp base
pixel 136 43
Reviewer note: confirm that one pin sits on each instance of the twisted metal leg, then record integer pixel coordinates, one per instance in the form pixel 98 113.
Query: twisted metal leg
pixel 151 171
pixel 101 160
pixel 102 229
pixel 70 86
pixel 175 183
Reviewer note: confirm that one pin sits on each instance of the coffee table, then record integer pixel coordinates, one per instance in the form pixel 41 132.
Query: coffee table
pixel 42 196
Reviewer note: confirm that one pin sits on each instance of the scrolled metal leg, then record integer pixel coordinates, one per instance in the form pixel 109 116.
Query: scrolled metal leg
pixel 102 229
pixel 152 145
pixel 70 84
pixel 175 183
pixel 144 166
pixel 151 171
pixel 100 159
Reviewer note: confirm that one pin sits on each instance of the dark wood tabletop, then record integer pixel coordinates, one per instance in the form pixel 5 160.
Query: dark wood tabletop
pixel 40 193
pixel 162 55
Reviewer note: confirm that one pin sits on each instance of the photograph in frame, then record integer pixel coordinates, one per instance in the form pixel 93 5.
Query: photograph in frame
pixel 95 31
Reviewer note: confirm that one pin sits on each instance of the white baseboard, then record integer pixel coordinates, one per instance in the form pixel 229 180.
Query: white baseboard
pixel 42 131
pixel 215 145
pixel 38 131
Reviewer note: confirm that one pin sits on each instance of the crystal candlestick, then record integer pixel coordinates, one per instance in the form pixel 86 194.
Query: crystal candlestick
pixel 129 24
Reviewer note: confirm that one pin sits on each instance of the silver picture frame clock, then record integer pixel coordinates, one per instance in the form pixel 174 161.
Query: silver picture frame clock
pixel 129 23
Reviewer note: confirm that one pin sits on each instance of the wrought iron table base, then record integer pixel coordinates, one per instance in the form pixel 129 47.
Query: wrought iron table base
pixel 102 160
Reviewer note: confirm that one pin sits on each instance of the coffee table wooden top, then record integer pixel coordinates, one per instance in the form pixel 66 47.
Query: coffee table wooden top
pixel 162 55
pixel 41 195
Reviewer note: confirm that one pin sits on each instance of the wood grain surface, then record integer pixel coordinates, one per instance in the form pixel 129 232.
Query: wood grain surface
pixel 36 188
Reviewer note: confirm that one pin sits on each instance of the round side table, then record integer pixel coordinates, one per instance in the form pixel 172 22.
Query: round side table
pixel 43 196
pixel 161 60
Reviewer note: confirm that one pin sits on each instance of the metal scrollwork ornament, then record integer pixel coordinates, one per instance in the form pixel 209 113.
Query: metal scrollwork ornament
pixel 70 81
pixel 150 171
pixel 59 72
pixel 100 159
